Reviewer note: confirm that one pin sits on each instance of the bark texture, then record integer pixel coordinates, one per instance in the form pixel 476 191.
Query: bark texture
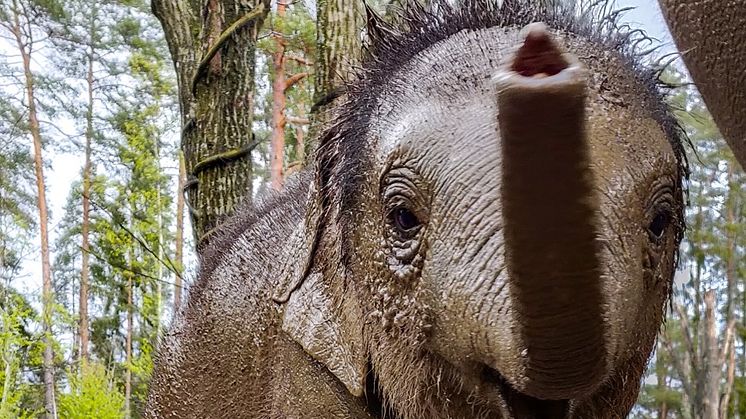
pixel 339 25
pixel 213 49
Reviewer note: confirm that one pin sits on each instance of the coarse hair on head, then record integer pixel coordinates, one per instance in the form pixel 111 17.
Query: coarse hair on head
pixel 414 27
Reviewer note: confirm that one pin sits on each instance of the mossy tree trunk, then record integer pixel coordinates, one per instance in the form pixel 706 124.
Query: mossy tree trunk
pixel 339 26
pixel 212 44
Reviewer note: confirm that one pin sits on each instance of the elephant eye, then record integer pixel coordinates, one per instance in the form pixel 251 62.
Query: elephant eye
pixel 659 225
pixel 662 212
pixel 405 221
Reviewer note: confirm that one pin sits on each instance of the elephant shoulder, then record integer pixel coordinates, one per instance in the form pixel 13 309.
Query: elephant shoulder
pixel 258 231
pixel 221 341
pixel 240 269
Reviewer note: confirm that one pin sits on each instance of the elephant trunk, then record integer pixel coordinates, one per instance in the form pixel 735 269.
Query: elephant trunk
pixel 550 222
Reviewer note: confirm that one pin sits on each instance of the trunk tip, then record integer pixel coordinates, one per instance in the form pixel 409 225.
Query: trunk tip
pixel 539 55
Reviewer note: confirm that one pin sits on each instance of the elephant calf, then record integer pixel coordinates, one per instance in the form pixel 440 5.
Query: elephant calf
pixel 489 229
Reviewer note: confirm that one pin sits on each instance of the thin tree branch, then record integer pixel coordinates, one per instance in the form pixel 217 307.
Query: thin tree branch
pixel 300 60
pixel 683 372
pixel 295 120
pixel 292 80
pixel 170 266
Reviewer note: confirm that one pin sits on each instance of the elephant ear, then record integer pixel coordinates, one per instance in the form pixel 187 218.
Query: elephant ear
pixel 318 312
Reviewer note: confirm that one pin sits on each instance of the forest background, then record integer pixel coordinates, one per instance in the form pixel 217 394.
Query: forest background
pixel 96 139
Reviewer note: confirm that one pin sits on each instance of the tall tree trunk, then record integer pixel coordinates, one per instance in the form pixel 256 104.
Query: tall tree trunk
pixel 661 377
pixel 731 223
pixel 730 354
pixel 338 28
pixel 338 47
pixel 278 105
pixel 47 300
pixel 712 367
pixel 83 303
pixel 129 274
pixel 128 347
pixel 179 234
pixel 213 49
pixel 695 354
pixel 159 262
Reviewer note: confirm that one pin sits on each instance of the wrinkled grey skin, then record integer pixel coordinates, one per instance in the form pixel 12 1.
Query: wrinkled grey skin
pixel 470 242
pixel 711 37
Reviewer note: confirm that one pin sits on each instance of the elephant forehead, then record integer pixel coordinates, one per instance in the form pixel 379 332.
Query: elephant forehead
pixel 448 129
pixel 448 88
pixel 435 84
pixel 629 151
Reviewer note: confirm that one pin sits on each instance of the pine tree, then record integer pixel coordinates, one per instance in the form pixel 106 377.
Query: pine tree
pixel 290 50
pixel 25 21
pixel 88 38
pixel 129 196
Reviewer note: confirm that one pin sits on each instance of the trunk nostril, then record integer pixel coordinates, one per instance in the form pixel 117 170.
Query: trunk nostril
pixel 538 56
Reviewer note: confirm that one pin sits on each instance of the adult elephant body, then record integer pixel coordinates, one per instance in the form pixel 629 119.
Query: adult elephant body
pixel 710 34
pixel 488 230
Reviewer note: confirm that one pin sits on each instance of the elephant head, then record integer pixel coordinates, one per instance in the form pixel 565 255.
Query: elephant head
pixel 494 220
pixel 710 35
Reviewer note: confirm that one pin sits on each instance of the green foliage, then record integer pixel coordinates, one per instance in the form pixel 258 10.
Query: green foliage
pixel 20 347
pixel 129 226
pixel 93 395
pixel 298 32
pixel 130 120
pixel 17 222
pixel 652 396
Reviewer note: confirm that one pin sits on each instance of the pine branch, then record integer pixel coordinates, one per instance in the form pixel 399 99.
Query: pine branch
pixel 292 80
pixel 168 264
pixel 300 60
